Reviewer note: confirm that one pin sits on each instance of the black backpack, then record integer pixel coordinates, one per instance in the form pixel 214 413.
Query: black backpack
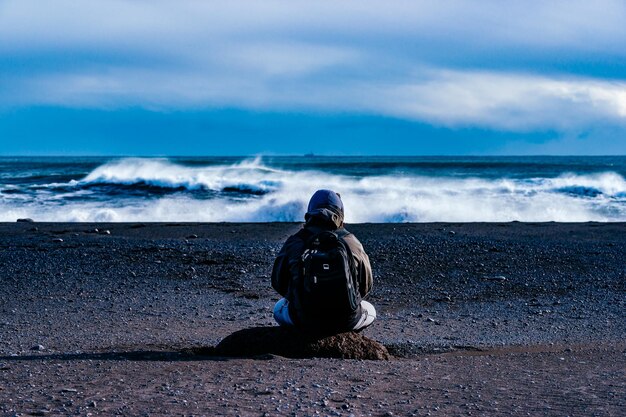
pixel 328 276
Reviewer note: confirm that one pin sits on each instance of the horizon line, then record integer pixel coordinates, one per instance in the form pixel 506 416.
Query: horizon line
pixel 302 155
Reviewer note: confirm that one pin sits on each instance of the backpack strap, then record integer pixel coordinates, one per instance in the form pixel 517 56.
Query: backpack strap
pixel 341 232
pixel 305 234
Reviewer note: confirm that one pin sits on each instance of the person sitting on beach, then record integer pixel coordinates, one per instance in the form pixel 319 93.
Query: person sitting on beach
pixel 323 273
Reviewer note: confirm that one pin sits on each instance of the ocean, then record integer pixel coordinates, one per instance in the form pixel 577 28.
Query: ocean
pixel 277 188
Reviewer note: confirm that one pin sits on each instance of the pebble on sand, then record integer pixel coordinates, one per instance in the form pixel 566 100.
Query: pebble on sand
pixel 496 278
pixel 38 347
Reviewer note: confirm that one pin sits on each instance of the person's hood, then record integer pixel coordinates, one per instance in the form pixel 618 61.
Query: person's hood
pixel 325 207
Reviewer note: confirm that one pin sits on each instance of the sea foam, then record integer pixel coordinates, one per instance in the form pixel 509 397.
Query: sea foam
pixel 250 191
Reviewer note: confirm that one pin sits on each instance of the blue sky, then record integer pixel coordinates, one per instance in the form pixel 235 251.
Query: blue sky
pixel 281 77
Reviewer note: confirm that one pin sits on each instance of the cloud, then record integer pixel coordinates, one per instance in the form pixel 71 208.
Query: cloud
pixel 503 65
pixel 560 23
pixel 507 100
pixel 186 25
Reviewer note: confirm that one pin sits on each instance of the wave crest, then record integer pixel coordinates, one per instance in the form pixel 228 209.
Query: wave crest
pixel 249 191
pixel 246 176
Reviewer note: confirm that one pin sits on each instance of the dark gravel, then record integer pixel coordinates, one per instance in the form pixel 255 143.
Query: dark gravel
pixel 69 293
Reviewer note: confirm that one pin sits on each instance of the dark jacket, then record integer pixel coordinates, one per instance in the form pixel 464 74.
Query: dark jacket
pixel 286 269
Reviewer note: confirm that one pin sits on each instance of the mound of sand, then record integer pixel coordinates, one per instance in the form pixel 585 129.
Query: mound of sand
pixel 290 343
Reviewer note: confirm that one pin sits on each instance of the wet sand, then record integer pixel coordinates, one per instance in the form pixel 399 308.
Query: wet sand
pixel 483 319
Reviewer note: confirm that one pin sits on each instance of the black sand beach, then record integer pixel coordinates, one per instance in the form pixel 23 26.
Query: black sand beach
pixel 481 318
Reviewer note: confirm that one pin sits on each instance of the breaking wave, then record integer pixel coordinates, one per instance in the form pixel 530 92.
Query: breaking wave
pixel 160 173
pixel 138 189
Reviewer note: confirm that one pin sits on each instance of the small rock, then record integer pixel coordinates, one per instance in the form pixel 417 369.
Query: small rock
pixel 57 239
pixel 25 220
pixel 496 278
pixel 38 347
pixel 68 390
pixel 93 404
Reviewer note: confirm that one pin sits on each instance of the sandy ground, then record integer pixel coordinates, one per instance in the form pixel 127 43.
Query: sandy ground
pixel 483 319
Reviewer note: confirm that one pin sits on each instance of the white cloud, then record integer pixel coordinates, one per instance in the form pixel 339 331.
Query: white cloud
pixel 506 100
pixel 354 56
pixel 277 59
pixel 160 23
